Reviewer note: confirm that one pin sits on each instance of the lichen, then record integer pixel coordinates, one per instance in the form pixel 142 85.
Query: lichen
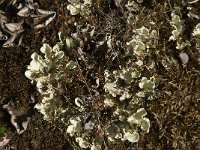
pixel 196 31
pixel 77 7
pixel 178 24
pixel 83 115
pixel 45 71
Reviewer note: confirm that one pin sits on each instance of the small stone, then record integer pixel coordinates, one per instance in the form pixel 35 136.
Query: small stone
pixel 184 58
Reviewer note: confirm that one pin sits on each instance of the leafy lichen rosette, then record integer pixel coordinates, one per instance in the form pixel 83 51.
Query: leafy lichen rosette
pixel 114 113
pixel 47 73
pixel 127 118
pixel 77 7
